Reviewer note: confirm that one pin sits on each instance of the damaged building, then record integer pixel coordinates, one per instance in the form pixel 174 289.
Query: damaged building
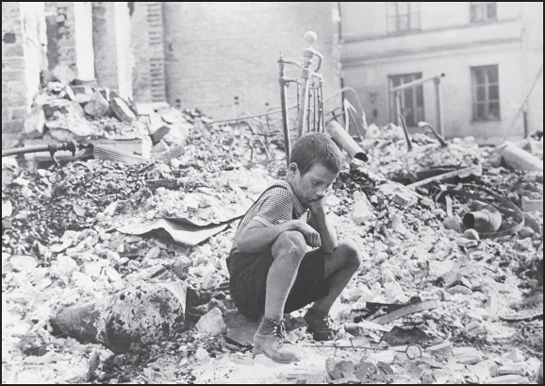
pixel 491 56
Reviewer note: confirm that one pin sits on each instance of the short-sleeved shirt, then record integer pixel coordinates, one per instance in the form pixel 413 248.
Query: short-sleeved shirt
pixel 276 205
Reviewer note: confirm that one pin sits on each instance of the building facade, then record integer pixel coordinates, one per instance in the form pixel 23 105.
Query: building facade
pixel 222 57
pixel 491 55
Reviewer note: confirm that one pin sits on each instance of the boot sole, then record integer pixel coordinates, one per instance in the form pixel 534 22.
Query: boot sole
pixel 259 351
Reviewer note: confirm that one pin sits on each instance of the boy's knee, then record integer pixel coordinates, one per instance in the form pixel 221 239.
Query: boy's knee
pixel 350 250
pixel 291 243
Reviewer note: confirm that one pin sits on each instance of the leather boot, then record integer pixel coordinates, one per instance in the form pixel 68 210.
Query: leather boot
pixel 270 339
pixel 320 325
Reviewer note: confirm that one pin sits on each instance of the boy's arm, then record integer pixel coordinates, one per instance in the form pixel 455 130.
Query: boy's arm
pixel 319 222
pixel 258 235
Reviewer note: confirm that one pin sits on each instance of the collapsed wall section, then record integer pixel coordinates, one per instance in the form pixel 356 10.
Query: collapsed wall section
pixel 24 44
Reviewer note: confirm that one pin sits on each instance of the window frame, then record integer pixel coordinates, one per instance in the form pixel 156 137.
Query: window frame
pixel 412 14
pixel 417 94
pixel 483 7
pixel 485 87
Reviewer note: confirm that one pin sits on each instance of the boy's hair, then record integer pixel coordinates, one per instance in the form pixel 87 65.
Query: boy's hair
pixel 315 148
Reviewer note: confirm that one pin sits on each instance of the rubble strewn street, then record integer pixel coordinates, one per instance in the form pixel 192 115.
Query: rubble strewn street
pixel 88 298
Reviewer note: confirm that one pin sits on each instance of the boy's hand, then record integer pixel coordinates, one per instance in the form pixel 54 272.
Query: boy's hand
pixel 317 206
pixel 312 237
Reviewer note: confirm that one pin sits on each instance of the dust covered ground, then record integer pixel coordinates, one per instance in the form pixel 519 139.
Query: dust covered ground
pixel 61 247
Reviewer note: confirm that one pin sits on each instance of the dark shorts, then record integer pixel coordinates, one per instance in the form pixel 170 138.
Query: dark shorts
pixel 248 281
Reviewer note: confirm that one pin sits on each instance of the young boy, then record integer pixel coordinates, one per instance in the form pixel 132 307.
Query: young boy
pixel 271 272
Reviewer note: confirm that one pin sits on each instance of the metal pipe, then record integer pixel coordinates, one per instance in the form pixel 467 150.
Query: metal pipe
pixel 284 102
pixel 437 82
pixel 315 112
pixel 24 150
pixel 434 132
pixel 321 115
pixel 406 132
pixel 417 82
pixel 398 107
pixel 303 113
pixel 52 148
pixel 341 137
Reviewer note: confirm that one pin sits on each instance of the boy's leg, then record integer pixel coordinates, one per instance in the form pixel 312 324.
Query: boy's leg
pixel 288 251
pixel 340 266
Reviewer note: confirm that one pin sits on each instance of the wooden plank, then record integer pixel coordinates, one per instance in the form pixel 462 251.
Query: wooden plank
pixel 477 169
pixel 413 308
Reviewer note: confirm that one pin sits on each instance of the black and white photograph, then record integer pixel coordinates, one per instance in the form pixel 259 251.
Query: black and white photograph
pixel 272 193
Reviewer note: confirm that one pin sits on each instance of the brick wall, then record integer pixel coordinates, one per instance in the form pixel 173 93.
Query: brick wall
pixel 219 52
pixel 61 36
pixel 148 49
pixel 112 46
pixel 23 57
pixel 69 37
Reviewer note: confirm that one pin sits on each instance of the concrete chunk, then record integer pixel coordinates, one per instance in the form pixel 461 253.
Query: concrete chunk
pixel 507 380
pixel 515 355
pixel 122 110
pixel 444 348
pixel 361 211
pixel 212 323
pixel 63 73
pixel 34 123
pixel 97 106
pixel 513 369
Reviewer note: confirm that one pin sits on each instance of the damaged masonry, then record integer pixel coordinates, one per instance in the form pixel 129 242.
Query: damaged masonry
pixel 118 217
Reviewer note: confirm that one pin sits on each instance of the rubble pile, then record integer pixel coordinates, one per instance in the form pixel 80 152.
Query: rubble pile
pixel 46 203
pixel 388 155
pixel 431 303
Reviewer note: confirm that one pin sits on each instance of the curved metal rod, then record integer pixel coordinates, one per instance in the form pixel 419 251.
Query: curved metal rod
pixel 269 112
pixel 300 65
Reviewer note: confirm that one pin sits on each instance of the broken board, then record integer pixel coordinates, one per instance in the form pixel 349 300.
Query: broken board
pixel 183 233
pixel 394 315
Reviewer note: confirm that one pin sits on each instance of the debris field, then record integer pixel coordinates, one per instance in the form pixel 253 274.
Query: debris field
pixel 113 266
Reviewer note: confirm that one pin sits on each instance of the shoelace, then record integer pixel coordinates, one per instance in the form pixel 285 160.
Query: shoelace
pixel 328 323
pixel 280 332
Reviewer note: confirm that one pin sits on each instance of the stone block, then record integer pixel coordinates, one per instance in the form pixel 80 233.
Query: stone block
pixel 19 113
pixel 16 75
pixel 361 210
pixel 515 355
pixel 63 73
pixel 444 348
pixel 7 114
pixel 17 100
pixel 122 110
pixel 507 380
pixel 13 64
pixel 13 127
pixel 97 106
pixel 212 323
pixel 513 369
pixel 10 141
pixel 34 123
pixel 11 50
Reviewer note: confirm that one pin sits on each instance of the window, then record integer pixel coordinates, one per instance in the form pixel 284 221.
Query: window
pixel 486 93
pixel 412 99
pixel 403 17
pixel 483 12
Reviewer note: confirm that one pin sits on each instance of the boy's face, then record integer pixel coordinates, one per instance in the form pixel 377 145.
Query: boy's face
pixel 313 185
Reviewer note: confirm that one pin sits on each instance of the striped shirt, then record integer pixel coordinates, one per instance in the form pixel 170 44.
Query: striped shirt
pixel 277 204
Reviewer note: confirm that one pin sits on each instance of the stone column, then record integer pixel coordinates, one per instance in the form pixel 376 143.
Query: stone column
pixel 112 46
pixel 23 57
